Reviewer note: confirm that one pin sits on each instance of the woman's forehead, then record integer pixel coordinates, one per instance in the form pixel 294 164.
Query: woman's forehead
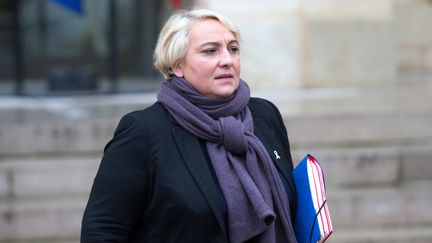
pixel 210 30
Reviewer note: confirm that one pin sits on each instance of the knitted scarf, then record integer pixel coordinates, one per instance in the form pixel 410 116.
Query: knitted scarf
pixel 258 207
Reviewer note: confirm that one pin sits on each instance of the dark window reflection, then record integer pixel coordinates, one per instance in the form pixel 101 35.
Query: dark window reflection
pixel 64 50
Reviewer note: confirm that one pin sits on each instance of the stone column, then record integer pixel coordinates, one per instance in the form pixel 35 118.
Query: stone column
pixel 413 31
pixel 349 43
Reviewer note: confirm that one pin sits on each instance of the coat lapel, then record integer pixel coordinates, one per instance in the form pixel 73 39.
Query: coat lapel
pixel 281 159
pixel 197 164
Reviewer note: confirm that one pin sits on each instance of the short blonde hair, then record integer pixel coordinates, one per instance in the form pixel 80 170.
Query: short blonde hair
pixel 173 39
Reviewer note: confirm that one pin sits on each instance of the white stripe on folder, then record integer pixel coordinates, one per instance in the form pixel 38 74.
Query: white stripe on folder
pixel 312 222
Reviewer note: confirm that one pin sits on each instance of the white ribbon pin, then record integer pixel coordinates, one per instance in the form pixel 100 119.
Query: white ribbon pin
pixel 277 155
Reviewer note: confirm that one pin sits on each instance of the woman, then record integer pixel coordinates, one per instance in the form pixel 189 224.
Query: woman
pixel 206 163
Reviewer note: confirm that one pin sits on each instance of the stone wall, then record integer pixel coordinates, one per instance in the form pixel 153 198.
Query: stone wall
pixel 317 43
pixel 413 32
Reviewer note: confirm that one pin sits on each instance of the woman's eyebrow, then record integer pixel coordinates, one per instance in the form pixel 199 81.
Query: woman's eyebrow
pixel 233 42
pixel 210 43
pixel 215 43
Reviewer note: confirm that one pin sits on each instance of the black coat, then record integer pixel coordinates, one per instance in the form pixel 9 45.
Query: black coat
pixel 154 183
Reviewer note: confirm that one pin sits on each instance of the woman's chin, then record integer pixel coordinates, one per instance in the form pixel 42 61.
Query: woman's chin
pixel 223 93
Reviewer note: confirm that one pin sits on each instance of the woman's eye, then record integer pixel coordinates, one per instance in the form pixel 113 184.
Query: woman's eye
pixel 234 50
pixel 209 51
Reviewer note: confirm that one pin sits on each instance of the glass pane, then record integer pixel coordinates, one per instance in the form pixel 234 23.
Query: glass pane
pixel 64 49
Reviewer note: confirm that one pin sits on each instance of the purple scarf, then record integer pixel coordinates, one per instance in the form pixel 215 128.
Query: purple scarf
pixel 256 198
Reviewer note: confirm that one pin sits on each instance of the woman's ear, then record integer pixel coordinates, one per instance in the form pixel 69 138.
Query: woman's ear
pixel 177 69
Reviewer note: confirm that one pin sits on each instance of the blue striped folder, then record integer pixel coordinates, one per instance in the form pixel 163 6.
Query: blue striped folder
pixel 312 221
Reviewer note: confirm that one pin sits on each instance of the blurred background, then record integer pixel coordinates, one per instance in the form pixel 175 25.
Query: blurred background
pixel 352 79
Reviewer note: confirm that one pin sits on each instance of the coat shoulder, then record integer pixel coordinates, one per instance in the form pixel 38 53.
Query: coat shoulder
pixel 263 109
pixel 141 124
pixel 259 103
pixel 153 116
pixel 152 113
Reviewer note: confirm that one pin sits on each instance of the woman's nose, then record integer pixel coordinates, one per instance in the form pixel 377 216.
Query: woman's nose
pixel 226 59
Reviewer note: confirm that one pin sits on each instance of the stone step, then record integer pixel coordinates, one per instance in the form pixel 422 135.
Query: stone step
pixel 56 175
pixel 54 191
pixel 362 192
pixel 345 130
pixel 411 234
pixel 387 206
pixel 47 177
pixel 339 117
pixel 344 167
pixel 374 213
pixel 47 220
pixel 56 137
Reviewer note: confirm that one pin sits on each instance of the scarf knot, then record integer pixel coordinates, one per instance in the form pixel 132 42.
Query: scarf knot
pixel 233 135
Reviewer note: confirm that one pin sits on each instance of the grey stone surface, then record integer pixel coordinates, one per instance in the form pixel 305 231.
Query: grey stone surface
pixel 413 30
pixel 417 234
pixel 48 177
pixel 5 184
pixel 397 206
pixel 306 129
pixel 372 166
pixel 417 164
pixel 349 130
pixel 18 110
pixel 280 45
pixel 356 167
pixel 54 220
pixel 56 137
pixel 349 52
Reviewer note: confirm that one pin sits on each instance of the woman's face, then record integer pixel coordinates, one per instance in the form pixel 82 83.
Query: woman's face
pixel 212 61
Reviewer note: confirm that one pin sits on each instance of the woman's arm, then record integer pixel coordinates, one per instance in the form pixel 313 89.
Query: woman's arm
pixel 118 196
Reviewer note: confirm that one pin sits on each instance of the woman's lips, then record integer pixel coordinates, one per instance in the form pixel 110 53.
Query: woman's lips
pixel 223 76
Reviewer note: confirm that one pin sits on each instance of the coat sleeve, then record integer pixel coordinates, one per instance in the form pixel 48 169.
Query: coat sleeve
pixel 119 192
